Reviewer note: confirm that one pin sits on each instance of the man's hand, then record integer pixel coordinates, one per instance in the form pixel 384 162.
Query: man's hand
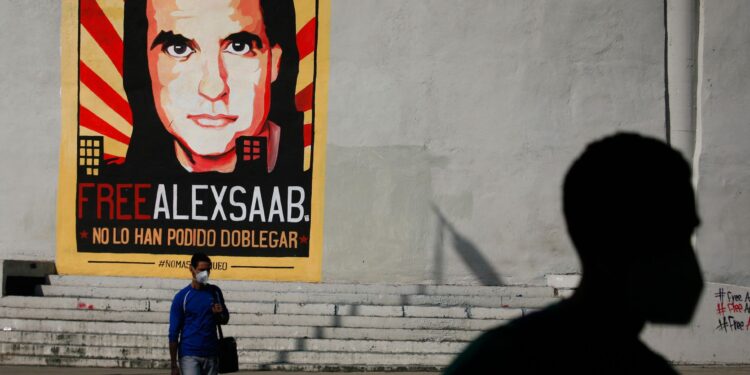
pixel 173 358
pixel 221 315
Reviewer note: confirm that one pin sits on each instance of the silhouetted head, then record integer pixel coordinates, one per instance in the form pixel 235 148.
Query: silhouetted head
pixel 630 210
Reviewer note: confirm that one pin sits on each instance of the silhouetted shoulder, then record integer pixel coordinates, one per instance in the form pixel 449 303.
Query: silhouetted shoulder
pixel 554 340
pixel 498 350
pixel 510 348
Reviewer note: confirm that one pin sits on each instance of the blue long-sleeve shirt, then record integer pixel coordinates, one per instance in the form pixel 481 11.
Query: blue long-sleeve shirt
pixel 192 323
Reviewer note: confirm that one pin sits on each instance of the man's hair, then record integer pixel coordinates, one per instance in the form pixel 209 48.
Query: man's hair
pixel 622 187
pixel 199 257
pixel 150 150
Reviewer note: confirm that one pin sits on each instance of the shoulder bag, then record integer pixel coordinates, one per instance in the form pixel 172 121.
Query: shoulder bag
pixel 227 350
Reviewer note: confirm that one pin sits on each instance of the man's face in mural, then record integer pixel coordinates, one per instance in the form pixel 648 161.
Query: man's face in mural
pixel 211 66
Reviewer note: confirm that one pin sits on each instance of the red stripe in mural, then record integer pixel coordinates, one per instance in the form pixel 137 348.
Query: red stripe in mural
pixel 89 120
pixel 306 39
pixel 101 29
pixel 304 98
pixel 105 92
pixel 113 159
pixel 307 134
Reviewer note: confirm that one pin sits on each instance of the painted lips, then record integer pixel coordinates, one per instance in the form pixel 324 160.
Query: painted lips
pixel 212 121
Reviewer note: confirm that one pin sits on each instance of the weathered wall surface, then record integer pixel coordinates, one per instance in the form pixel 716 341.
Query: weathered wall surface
pixel 452 124
pixel 29 127
pixel 723 165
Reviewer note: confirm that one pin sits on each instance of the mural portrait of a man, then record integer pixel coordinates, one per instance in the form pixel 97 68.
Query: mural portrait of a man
pixel 190 125
pixel 201 74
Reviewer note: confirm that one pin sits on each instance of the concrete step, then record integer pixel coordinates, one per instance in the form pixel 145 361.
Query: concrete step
pixel 53 325
pixel 58 361
pixel 10 359
pixel 245 356
pixel 123 322
pixel 258 319
pixel 132 305
pixel 246 343
pixel 285 287
pixel 569 281
pixel 296 297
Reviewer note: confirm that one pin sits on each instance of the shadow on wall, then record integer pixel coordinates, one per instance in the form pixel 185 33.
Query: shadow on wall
pixel 469 253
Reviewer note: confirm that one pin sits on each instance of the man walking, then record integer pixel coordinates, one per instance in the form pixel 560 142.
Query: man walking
pixel 195 312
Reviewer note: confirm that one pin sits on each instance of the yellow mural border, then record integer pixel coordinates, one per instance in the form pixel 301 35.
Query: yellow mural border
pixel 70 262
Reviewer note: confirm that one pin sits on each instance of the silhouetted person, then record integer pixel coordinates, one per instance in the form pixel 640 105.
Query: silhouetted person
pixel 630 212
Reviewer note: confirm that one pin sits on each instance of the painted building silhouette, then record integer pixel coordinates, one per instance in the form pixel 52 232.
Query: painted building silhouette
pixel 90 156
pixel 252 155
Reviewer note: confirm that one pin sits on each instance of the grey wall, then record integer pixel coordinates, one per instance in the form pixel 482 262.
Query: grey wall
pixel 451 126
pixel 29 127
pixel 723 165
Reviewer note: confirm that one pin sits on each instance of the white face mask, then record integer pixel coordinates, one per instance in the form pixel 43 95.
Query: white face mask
pixel 202 277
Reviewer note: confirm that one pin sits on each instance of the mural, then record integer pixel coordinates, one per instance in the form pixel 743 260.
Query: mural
pixel 189 126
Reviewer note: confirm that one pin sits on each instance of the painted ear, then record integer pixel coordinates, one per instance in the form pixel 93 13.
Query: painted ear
pixel 275 61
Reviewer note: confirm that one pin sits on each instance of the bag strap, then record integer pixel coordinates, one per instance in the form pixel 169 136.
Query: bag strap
pixel 221 334
pixel 218 298
pixel 218 326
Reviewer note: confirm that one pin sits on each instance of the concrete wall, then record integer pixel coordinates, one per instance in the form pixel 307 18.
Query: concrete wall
pixel 29 127
pixel 723 164
pixel 451 126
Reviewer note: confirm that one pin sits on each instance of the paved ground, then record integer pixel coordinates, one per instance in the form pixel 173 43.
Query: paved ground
pixel 29 370
pixel 722 370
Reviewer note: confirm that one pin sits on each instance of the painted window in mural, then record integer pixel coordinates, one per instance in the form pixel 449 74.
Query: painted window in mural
pixel 195 130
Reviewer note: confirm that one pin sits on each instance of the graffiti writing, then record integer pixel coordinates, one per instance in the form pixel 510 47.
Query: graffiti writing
pixel 733 310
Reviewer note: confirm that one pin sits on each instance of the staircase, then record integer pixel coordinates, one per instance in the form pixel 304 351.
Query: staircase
pixel 123 322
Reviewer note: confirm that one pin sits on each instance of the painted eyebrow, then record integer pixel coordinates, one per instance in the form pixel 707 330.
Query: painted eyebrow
pixel 170 38
pixel 246 37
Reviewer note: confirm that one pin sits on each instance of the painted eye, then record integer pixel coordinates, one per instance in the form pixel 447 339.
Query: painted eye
pixel 178 50
pixel 237 48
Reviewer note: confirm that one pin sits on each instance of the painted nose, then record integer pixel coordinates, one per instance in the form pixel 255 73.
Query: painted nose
pixel 213 85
